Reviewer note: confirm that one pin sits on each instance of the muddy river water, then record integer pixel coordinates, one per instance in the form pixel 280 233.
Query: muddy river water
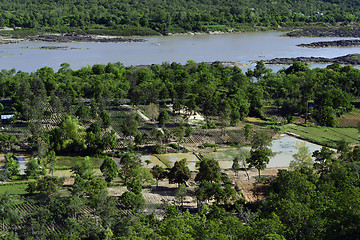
pixel 29 56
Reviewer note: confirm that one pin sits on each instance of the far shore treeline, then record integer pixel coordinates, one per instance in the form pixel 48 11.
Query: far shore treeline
pixel 153 17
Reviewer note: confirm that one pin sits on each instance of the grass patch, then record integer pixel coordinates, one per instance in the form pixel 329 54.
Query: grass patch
pixel 164 160
pixel 13 189
pixel 69 161
pixel 169 159
pixel 324 135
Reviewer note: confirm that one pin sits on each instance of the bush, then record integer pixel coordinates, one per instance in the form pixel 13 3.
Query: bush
pixel 275 128
pixel 156 148
pixel 132 200
pixel 206 144
pixel 262 180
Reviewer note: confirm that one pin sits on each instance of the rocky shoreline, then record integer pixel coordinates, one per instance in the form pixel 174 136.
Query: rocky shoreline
pixel 66 38
pixel 339 43
pixel 325 32
pixel 351 59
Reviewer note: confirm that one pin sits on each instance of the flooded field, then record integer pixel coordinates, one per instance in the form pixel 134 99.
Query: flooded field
pixel 284 148
pixel 154 161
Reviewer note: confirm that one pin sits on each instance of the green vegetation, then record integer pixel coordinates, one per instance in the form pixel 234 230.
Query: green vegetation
pixel 13 189
pixel 159 16
pixel 69 161
pixel 324 135
pixel 76 119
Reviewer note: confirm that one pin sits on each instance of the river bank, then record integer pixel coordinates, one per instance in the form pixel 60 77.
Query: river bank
pixel 324 44
pixel 350 59
pixel 8 37
pixel 66 38
pixel 326 32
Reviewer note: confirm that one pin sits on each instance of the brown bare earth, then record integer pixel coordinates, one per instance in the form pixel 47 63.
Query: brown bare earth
pixel 351 119
pixel 247 186
pixel 159 197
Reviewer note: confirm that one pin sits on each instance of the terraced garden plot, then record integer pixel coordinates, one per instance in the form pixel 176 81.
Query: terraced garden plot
pixel 350 119
pixel 26 208
pixel 117 116
pixel 201 136
pixel 19 129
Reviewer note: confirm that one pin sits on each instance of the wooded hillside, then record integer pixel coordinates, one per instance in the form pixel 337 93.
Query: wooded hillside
pixel 144 17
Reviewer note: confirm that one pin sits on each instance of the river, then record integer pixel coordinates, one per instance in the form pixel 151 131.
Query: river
pixel 243 47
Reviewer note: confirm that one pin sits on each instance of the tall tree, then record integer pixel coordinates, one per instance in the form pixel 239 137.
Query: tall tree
pixel 32 168
pixel 259 158
pixel 152 111
pixel 179 173
pixel 260 153
pixel 179 133
pixel 302 158
pixel 209 170
pixel 158 173
pixel 163 117
pixel 12 166
pixel 51 161
pixel 240 160
pixel 84 168
pixel 109 169
pixel 128 163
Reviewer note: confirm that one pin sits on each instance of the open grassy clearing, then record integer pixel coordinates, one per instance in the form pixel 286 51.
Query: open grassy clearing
pixel 324 135
pixel 13 188
pixel 69 161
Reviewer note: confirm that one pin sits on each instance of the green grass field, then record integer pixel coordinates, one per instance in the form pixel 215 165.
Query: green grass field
pixel 13 188
pixel 324 135
pixel 70 161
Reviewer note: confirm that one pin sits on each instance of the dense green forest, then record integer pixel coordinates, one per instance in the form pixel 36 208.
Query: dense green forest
pixel 309 202
pixel 142 17
pixel 67 113
pixel 212 89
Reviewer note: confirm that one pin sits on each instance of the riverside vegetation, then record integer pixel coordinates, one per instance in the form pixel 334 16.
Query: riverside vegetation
pixel 153 17
pixel 60 118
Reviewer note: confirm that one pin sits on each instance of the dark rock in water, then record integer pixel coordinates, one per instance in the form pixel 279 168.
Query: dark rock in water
pixel 351 59
pixel 339 43
pixel 81 38
pixel 325 32
pixel 65 38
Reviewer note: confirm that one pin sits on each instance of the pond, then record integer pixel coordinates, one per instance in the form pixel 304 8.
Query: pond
pixel 22 164
pixel 284 148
